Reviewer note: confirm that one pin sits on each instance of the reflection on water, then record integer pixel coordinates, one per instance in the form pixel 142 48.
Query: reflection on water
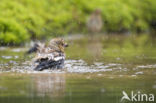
pixel 49 85
pixel 14 87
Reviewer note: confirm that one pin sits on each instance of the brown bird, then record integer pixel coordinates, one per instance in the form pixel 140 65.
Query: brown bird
pixel 51 55
pixel 95 22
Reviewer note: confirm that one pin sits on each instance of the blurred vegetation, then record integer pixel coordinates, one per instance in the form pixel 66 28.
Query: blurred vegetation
pixel 22 20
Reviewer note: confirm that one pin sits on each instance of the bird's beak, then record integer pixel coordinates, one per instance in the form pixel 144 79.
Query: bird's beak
pixel 66 45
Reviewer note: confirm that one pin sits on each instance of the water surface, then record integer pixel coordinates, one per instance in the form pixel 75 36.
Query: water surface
pixel 97 70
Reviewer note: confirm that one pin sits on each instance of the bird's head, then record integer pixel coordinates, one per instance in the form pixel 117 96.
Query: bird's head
pixel 59 42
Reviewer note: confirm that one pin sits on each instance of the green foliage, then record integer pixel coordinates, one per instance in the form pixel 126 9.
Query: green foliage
pixel 22 20
pixel 11 32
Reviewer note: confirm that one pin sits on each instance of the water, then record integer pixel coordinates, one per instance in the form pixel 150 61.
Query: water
pixel 97 70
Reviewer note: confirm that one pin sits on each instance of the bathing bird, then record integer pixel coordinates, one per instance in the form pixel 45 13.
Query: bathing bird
pixel 51 55
pixel 95 22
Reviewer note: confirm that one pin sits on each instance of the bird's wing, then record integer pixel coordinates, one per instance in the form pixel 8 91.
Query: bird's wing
pixel 59 58
pixel 40 56
pixel 55 56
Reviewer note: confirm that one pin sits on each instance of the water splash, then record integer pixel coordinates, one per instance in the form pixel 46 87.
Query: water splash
pixel 80 66
pixel 71 66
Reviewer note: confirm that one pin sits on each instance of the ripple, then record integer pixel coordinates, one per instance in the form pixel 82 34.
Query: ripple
pixel 6 57
pixel 139 73
pixel 10 57
pixel 81 66
pixel 18 50
pixel 147 66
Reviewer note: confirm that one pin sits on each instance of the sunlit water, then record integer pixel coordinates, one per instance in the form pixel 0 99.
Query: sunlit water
pixel 85 79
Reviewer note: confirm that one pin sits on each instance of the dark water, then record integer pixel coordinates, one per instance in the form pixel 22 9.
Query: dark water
pixel 97 70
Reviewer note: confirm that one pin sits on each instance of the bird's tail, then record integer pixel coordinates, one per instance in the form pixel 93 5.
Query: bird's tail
pixel 33 49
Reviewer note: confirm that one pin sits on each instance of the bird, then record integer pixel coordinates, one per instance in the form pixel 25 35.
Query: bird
pixel 51 55
pixel 95 22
